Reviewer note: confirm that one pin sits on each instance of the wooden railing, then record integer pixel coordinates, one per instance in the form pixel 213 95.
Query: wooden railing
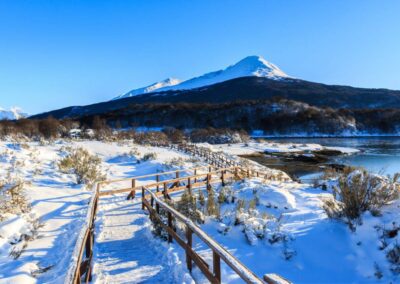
pixel 224 160
pixel 152 201
pixel 81 264
pixel 217 159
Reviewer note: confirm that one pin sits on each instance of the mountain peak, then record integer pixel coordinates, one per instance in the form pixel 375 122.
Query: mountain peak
pixel 259 67
pixel 247 67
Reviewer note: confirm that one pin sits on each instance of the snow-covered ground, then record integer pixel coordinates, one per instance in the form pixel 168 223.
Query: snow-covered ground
pixel 58 204
pixel 288 233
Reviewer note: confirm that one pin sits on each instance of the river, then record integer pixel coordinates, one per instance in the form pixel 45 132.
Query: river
pixel 378 154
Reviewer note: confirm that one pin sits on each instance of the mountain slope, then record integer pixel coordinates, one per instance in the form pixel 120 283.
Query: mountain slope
pixel 251 66
pixel 251 88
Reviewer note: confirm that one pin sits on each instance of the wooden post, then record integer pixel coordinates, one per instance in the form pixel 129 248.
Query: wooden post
pixel 189 244
pixel 157 208
pixel 177 174
pixel 248 173
pixel 88 244
pixel 208 182
pixel 222 178
pixel 170 226
pixel 158 180
pixel 142 197
pixel 189 187
pixel 133 186
pixel 165 190
pixel 217 266
pixel 195 173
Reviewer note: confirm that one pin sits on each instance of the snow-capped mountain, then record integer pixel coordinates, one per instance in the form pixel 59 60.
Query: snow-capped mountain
pixel 251 66
pixel 151 88
pixel 13 113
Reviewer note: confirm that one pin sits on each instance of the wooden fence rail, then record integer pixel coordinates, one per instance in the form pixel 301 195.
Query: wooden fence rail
pixel 218 252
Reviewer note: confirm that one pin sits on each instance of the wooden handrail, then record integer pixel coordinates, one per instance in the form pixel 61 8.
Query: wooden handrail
pixel 152 175
pixel 245 273
pixel 84 243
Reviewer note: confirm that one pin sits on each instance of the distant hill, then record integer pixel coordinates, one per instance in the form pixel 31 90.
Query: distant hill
pixel 250 88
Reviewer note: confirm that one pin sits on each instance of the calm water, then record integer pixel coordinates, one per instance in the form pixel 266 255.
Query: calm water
pixel 380 155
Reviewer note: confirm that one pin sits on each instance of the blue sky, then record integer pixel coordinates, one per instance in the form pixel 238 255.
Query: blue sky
pixel 59 53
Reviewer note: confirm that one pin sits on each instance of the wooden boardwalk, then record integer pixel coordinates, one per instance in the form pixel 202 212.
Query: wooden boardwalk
pixel 123 249
pixel 119 229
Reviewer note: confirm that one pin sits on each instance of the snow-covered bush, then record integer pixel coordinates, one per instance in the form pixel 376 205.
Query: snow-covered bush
pixel 226 195
pixel 149 156
pixel 134 152
pixel 358 191
pixel 86 167
pixel 174 163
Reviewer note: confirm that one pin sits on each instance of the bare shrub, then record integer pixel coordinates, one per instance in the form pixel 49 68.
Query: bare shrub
pixel 49 127
pixel 187 205
pixel 174 135
pixel 218 136
pixel 153 138
pixel 13 200
pixel 393 255
pixel 86 167
pixel 212 206
pixel 359 191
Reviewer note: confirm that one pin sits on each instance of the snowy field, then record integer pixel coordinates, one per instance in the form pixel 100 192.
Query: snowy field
pixel 282 227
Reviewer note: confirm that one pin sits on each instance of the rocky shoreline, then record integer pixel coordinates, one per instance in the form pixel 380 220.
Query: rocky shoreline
pixel 297 164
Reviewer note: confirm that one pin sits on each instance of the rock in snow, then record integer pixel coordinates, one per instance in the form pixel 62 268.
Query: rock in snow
pixel 250 66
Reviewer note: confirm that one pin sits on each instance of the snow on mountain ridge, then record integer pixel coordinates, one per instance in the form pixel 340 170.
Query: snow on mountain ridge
pixel 13 113
pixel 250 66
pixel 150 88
